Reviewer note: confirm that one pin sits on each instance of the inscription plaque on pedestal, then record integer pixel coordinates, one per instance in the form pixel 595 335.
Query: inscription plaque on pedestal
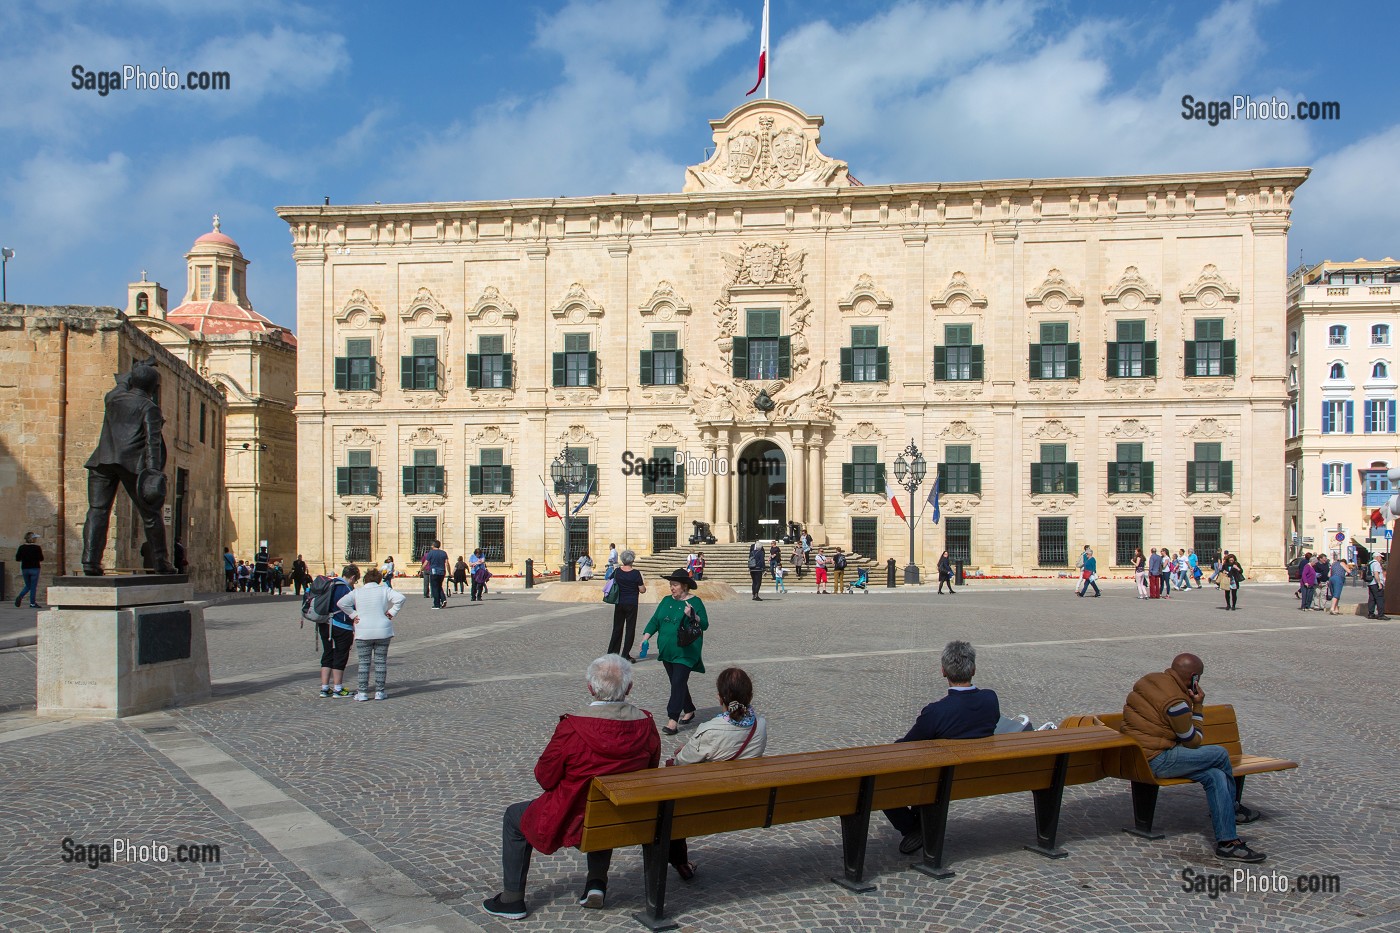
pixel 163 636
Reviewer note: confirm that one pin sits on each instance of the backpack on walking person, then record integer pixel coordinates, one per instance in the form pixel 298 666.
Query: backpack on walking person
pixel 317 605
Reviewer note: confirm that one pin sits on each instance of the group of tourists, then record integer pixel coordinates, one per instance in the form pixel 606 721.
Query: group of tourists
pixel 828 570
pixel 347 615
pixel 1321 581
pixel 263 574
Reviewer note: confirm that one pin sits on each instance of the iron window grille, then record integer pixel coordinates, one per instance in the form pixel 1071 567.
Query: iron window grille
pixel 663 533
pixel 1052 544
pixel 957 538
pixel 424 534
pixel 357 539
pixel 1127 540
pixel 491 538
pixel 865 536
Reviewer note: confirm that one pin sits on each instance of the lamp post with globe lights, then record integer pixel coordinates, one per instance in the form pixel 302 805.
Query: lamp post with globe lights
pixel 568 474
pixel 909 470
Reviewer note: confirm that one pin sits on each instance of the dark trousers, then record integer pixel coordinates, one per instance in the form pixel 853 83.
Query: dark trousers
pixel 680 702
pixel 1088 582
pixel 1232 597
pixel 478 588
pixel 335 645
pixel 1166 584
pixel 624 629
pixel 229 576
pixel 1375 601
pixel 945 581
pixel 516 849
pixel 435 580
pixel 102 492
pixel 904 819
pixel 757 576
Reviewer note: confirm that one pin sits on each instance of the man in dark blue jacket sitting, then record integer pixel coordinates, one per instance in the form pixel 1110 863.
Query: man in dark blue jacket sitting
pixel 967 712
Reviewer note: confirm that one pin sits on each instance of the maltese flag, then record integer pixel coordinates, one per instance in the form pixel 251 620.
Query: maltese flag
pixel 762 54
pixel 889 494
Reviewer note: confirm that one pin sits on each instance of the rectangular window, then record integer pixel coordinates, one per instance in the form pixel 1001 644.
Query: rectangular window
pixel 1127 539
pixel 1293 425
pixel 578 539
pixel 1129 473
pixel 358 477
pixel 578 364
pixel 1205 538
pixel 357 370
pixel 762 353
pixel 491 538
pixel 237 285
pixel 959 359
pixel 1292 478
pixel 223 284
pixel 1336 479
pixel 957 474
pixel 1337 417
pixel 1208 473
pixel 491 476
pixel 1210 354
pixel 663 533
pixel 203 418
pixel 419 370
pixel 424 477
pixel 865 360
pixel 206 283
pixel 1132 355
pixel 667 477
pixel 662 364
pixel 424 534
pixel 1376 488
pixel 1380 335
pixel 865 473
pixel 1054 473
pixel 357 540
pixel 864 536
pixel 1380 416
pixel 1053 542
pixel 958 539
pixel 490 366
pixel 1054 357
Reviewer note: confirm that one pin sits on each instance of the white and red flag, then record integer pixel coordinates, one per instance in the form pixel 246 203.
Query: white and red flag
pixel 762 55
pixel 894 501
pixel 550 510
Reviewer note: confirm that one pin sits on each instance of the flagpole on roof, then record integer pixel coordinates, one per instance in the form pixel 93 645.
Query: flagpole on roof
pixel 768 73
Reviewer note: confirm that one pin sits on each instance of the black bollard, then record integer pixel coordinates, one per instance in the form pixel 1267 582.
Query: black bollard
pixel 529 573
pixel 958 573
pixel 889 573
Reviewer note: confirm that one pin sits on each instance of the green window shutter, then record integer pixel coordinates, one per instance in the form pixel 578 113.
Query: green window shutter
pixel 647 377
pixel 474 480
pixel 1035 361
pixel 1227 476
pixel 1227 357
pixel 879 477
pixel 974 478
pixel 882 364
pixel 741 357
pixel 593 367
pixel 1072 478
pixel 559 378
pixel 1112 358
pixel 1037 482
pixel 473 370
pixel 848 366
pixel 784 357
pixel 342 373
pixel 439 375
pixel 1072 361
pixel 342 481
pixel 1112 472
pixel 940 363
pixel 679 468
pixel 373 375
pixel 440 477
pixel 942 475
pixel 508 369
pixel 648 485
pixel 405 372
pixel 410 487
pixel 592 476
pixel 848 478
pixel 507 481
pixel 680 367
pixel 978 365
pixel 1190 475
pixel 1190 354
pixel 1149 358
pixel 1147 476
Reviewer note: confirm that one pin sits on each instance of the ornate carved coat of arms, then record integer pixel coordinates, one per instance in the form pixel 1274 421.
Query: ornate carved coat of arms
pixel 744 149
pixel 766 144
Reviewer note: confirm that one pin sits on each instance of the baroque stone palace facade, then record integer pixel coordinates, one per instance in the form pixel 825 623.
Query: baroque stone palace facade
pixel 1093 360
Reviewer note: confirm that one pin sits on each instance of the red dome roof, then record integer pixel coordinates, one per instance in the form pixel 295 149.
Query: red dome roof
pixel 222 317
pixel 214 236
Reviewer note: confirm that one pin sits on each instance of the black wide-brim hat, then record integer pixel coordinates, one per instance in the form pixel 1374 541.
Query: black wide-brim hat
pixel 681 576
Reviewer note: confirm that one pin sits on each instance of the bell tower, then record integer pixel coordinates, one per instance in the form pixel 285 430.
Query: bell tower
pixel 146 299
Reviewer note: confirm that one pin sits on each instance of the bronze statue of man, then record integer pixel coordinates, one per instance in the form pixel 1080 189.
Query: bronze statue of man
pixel 130 454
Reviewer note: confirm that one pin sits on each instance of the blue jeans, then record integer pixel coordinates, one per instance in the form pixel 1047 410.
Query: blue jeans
pixel 31 586
pixel 1208 766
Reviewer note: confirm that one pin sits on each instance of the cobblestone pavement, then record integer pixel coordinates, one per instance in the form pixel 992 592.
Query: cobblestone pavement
pixel 337 815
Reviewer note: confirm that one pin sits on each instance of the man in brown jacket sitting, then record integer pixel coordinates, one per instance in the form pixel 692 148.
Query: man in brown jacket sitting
pixel 1163 715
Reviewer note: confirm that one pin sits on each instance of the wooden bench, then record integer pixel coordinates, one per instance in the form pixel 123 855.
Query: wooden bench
pixel 1221 727
pixel 650 808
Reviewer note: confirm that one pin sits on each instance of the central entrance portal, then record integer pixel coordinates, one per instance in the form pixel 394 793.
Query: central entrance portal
pixel 762 476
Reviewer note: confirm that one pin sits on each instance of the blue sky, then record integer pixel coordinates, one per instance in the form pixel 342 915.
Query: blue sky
pixel 420 102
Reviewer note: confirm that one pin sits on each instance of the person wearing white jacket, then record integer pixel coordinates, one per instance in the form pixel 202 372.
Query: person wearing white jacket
pixel 737 732
pixel 371 609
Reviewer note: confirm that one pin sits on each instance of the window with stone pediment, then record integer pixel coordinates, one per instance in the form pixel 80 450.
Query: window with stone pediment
pixel 1210 354
pixel 359 476
pixel 491 367
pixel 663 364
pixel 764 352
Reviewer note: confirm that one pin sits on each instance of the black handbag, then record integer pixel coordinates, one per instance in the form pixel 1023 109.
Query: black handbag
pixel 689 630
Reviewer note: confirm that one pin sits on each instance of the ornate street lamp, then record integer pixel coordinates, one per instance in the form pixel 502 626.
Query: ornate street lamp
pixel 909 470
pixel 568 475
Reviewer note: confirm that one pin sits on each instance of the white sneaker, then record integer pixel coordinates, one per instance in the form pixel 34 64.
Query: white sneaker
pixel 361 697
pixel 379 695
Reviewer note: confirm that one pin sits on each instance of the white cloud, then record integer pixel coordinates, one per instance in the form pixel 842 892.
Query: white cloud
pixel 280 61
pixel 1348 208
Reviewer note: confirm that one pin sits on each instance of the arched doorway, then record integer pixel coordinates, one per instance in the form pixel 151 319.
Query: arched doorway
pixel 761 471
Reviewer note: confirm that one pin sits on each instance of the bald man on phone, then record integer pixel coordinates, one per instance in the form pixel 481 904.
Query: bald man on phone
pixel 1163 714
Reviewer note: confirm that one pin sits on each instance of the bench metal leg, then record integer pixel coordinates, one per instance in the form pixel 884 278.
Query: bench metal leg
pixel 1047 812
pixel 655 862
pixel 1144 806
pixel 855 833
pixel 1239 788
pixel 933 820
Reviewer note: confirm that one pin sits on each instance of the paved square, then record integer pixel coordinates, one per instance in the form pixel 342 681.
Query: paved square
pixel 336 815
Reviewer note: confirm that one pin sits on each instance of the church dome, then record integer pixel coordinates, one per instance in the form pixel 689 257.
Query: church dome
pixel 216 302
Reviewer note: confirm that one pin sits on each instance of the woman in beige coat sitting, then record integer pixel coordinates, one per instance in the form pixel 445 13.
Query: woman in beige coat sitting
pixel 737 732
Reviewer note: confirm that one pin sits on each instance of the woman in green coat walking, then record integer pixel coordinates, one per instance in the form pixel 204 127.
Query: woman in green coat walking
pixel 679 660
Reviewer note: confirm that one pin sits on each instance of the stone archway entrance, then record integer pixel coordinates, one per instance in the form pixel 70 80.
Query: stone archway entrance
pixel 761 471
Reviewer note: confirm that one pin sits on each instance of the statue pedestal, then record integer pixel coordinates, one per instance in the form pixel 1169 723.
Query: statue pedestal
pixel 121 645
